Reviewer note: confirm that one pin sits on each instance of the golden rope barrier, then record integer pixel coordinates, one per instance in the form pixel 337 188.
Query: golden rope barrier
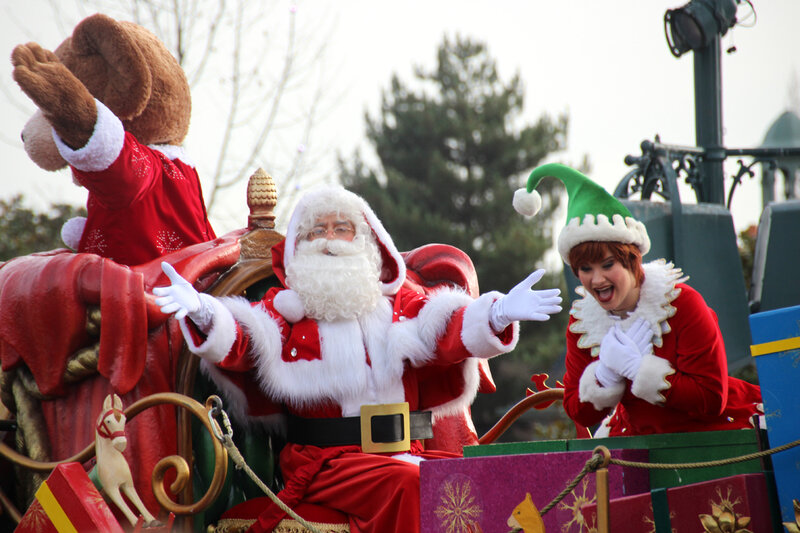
pixel 706 464
pixel 227 440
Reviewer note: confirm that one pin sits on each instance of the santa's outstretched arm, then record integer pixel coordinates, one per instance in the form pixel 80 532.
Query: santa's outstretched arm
pixel 523 303
pixel 214 329
pixel 182 300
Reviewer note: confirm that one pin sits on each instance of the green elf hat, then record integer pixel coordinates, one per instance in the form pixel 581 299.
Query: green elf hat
pixel 592 213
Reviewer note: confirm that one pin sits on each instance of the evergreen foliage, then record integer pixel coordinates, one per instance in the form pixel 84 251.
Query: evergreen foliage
pixel 24 231
pixel 452 151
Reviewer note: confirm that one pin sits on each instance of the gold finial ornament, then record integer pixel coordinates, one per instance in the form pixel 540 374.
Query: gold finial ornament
pixel 262 197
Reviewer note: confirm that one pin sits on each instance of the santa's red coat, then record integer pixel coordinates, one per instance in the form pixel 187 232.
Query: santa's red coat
pixel 418 348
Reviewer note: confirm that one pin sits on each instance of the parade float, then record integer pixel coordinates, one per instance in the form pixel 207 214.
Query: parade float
pixel 102 400
pixel 196 464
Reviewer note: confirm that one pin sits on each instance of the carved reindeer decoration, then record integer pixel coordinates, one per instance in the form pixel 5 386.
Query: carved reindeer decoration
pixel 112 467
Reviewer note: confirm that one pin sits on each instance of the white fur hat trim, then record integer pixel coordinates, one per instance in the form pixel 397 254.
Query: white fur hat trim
pixel 627 230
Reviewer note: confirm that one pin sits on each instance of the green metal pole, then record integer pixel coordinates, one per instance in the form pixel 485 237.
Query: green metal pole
pixel 708 121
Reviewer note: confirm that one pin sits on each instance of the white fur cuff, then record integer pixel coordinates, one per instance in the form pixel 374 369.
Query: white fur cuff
pixel 652 379
pixel 477 334
pixel 589 390
pixel 220 337
pixel 104 145
pixel 71 232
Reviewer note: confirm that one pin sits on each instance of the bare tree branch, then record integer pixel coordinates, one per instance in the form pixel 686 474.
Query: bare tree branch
pixel 256 77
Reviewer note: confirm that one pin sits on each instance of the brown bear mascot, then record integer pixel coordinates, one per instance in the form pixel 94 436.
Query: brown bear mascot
pixel 114 105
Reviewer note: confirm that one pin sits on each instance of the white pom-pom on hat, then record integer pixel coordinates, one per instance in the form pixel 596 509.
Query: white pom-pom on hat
pixel 71 232
pixel 289 305
pixel 527 203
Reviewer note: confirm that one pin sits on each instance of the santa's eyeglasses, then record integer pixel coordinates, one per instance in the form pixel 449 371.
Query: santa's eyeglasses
pixel 339 230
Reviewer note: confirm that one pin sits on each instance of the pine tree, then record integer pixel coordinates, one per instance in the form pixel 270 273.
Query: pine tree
pixel 24 231
pixel 452 152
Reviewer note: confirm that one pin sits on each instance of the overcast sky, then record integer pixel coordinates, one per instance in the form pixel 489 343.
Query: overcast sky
pixel 605 63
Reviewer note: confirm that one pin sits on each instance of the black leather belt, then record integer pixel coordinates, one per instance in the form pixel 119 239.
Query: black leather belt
pixel 385 428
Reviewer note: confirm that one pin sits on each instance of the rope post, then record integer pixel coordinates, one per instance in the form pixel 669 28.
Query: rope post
pixel 601 487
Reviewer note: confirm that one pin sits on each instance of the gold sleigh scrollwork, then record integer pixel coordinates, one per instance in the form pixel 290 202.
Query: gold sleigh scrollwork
pixel 176 462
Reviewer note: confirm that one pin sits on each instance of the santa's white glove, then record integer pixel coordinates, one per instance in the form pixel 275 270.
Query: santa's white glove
pixel 183 300
pixel 622 352
pixel 522 303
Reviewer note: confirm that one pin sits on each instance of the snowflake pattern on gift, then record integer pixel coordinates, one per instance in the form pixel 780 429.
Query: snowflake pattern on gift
pixel 35 518
pixel 140 162
pixel 96 243
pixel 168 241
pixel 457 509
pixel 579 499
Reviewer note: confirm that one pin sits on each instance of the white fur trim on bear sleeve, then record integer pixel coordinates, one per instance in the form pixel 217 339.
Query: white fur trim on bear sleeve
pixel 219 338
pixel 477 334
pixel 104 145
pixel 589 390
pixel 652 379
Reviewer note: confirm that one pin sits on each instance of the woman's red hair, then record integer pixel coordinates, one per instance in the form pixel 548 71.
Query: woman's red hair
pixel 628 255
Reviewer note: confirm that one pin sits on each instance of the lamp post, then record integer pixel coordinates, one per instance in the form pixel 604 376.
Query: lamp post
pixel 698 26
pixel 708 121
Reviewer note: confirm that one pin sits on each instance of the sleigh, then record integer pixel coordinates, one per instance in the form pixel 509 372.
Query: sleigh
pixel 172 407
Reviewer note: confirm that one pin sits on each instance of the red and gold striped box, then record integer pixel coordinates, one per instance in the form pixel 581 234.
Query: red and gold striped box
pixel 68 502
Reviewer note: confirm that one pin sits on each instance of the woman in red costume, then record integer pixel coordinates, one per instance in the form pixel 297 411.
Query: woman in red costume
pixel 644 351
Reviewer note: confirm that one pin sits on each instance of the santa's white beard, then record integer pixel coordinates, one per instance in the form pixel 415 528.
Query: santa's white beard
pixel 336 279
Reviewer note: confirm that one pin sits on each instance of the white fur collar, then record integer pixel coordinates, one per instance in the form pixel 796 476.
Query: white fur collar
pixel 173 152
pixel 658 291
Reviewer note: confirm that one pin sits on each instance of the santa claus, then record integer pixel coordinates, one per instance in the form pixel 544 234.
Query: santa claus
pixel 344 341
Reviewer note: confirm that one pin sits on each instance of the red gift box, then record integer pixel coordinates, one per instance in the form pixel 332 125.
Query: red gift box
pixel 742 498
pixel 632 514
pixel 68 501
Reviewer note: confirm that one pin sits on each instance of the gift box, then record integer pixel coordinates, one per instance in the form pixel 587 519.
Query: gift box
pixel 631 514
pixel 68 501
pixel 776 349
pixel 663 448
pixel 742 501
pixel 481 493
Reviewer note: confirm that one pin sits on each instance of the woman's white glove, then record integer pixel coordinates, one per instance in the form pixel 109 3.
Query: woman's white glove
pixel 183 300
pixel 641 334
pixel 622 352
pixel 605 376
pixel 522 303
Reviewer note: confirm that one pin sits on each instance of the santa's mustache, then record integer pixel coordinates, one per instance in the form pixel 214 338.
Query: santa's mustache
pixel 334 246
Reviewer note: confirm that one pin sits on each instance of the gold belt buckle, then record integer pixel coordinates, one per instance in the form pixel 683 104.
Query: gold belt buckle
pixel 369 411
